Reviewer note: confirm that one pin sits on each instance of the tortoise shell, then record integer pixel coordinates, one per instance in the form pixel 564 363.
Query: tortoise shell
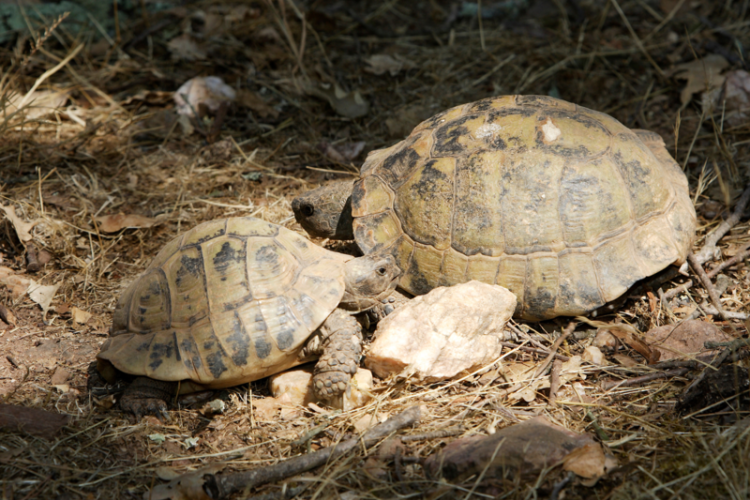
pixel 228 302
pixel 564 206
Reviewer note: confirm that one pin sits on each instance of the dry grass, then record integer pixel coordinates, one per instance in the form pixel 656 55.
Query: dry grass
pixel 109 151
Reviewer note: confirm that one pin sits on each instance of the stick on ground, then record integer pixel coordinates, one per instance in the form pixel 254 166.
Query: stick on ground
pixel 222 486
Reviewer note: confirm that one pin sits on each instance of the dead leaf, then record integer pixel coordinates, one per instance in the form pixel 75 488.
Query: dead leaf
pixel 266 409
pixel 114 223
pixel 249 99
pixel 80 317
pixel 203 95
pixel 341 153
pixel 17 283
pixel 588 461
pixel 369 420
pixel 524 449
pixel 185 47
pixel 36 258
pixel 701 75
pixel 159 124
pixel 594 355
pixel 7 316
pixel 348 104
pixel 65 202
pixel 42 295
pixel 187 486
pixel 684 340
pixel 379 64
pixel 625 360
pixel 40 104
pixel 31 420
pixel 627 334
pixel 737 97
pixel 23 229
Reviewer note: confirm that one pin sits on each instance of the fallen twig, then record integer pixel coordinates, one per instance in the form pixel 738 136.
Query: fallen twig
pixel 534 350
pixel 739 257
pixel 677 290
pixel 678 367
pixel 554 381
pixel 612 384
pixel 713 295
pixel 435 435
pixel 709 248
pixel 222 486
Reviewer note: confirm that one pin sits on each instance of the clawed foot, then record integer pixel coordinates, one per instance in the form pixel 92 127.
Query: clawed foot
pixel 147 396
pixel 138 407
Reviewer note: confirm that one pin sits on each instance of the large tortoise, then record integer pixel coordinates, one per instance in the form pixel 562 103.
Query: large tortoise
pixel 564 206
pixel 235 300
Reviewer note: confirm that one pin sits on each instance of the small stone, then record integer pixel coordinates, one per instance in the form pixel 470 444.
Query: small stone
pixel 297 385
pixel 447 333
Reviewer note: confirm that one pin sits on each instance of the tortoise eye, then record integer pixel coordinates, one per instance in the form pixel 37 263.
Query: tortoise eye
pixel 382 271
pixel 307 210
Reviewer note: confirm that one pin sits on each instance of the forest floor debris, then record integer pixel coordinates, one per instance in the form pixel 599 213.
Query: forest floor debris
pixel 98 171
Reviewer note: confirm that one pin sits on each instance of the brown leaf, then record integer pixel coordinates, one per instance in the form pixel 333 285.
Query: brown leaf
pixel 80 317
pixel 625 360
pixel 684 340
pixel 524 448
pixel 185 47
pixel 379 64
pixel 23 229
pixel 65 202
pixel 7 315
pixel 701 75
pixel 588 461
pixel 17 283
pixel 114 223
pixel 249 99
pixel 341 153
pixel 348 104
pixel 42 295
pixel 31 420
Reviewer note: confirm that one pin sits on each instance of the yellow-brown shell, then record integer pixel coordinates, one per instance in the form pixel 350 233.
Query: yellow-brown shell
pixel 228 302
pixel 564 206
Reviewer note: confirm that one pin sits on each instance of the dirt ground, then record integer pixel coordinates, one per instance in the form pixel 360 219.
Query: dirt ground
pixel 98 172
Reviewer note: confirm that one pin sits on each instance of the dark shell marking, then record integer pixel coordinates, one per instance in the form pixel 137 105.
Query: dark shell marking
pixel 234 301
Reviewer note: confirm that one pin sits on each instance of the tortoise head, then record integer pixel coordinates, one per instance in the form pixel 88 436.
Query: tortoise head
pixel 369 280
pixel 326 212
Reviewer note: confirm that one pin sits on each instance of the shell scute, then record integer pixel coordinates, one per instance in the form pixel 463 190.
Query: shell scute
pixel 234 302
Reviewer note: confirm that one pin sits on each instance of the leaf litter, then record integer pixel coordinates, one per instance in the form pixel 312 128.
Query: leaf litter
pixel 97 155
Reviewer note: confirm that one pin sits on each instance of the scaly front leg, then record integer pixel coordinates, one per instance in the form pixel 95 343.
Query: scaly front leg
pixel 341 348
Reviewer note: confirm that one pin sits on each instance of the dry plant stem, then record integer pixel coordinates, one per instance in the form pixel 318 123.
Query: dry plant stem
pixel 677 290
pixel 698 268
pixel 542 367
pixel 218 487
pixel 47 74
pixel 739 257
pixel 434 435
pixel 524 348
pixel 709 247
pixel 678 367
pixel 611 384
pixel 554 381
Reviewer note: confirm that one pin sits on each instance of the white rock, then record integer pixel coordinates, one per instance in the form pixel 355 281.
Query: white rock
pixel 296 385
pixel 449 332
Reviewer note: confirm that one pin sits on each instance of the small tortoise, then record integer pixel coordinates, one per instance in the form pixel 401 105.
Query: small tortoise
pixel 564 206
pixel 235 300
